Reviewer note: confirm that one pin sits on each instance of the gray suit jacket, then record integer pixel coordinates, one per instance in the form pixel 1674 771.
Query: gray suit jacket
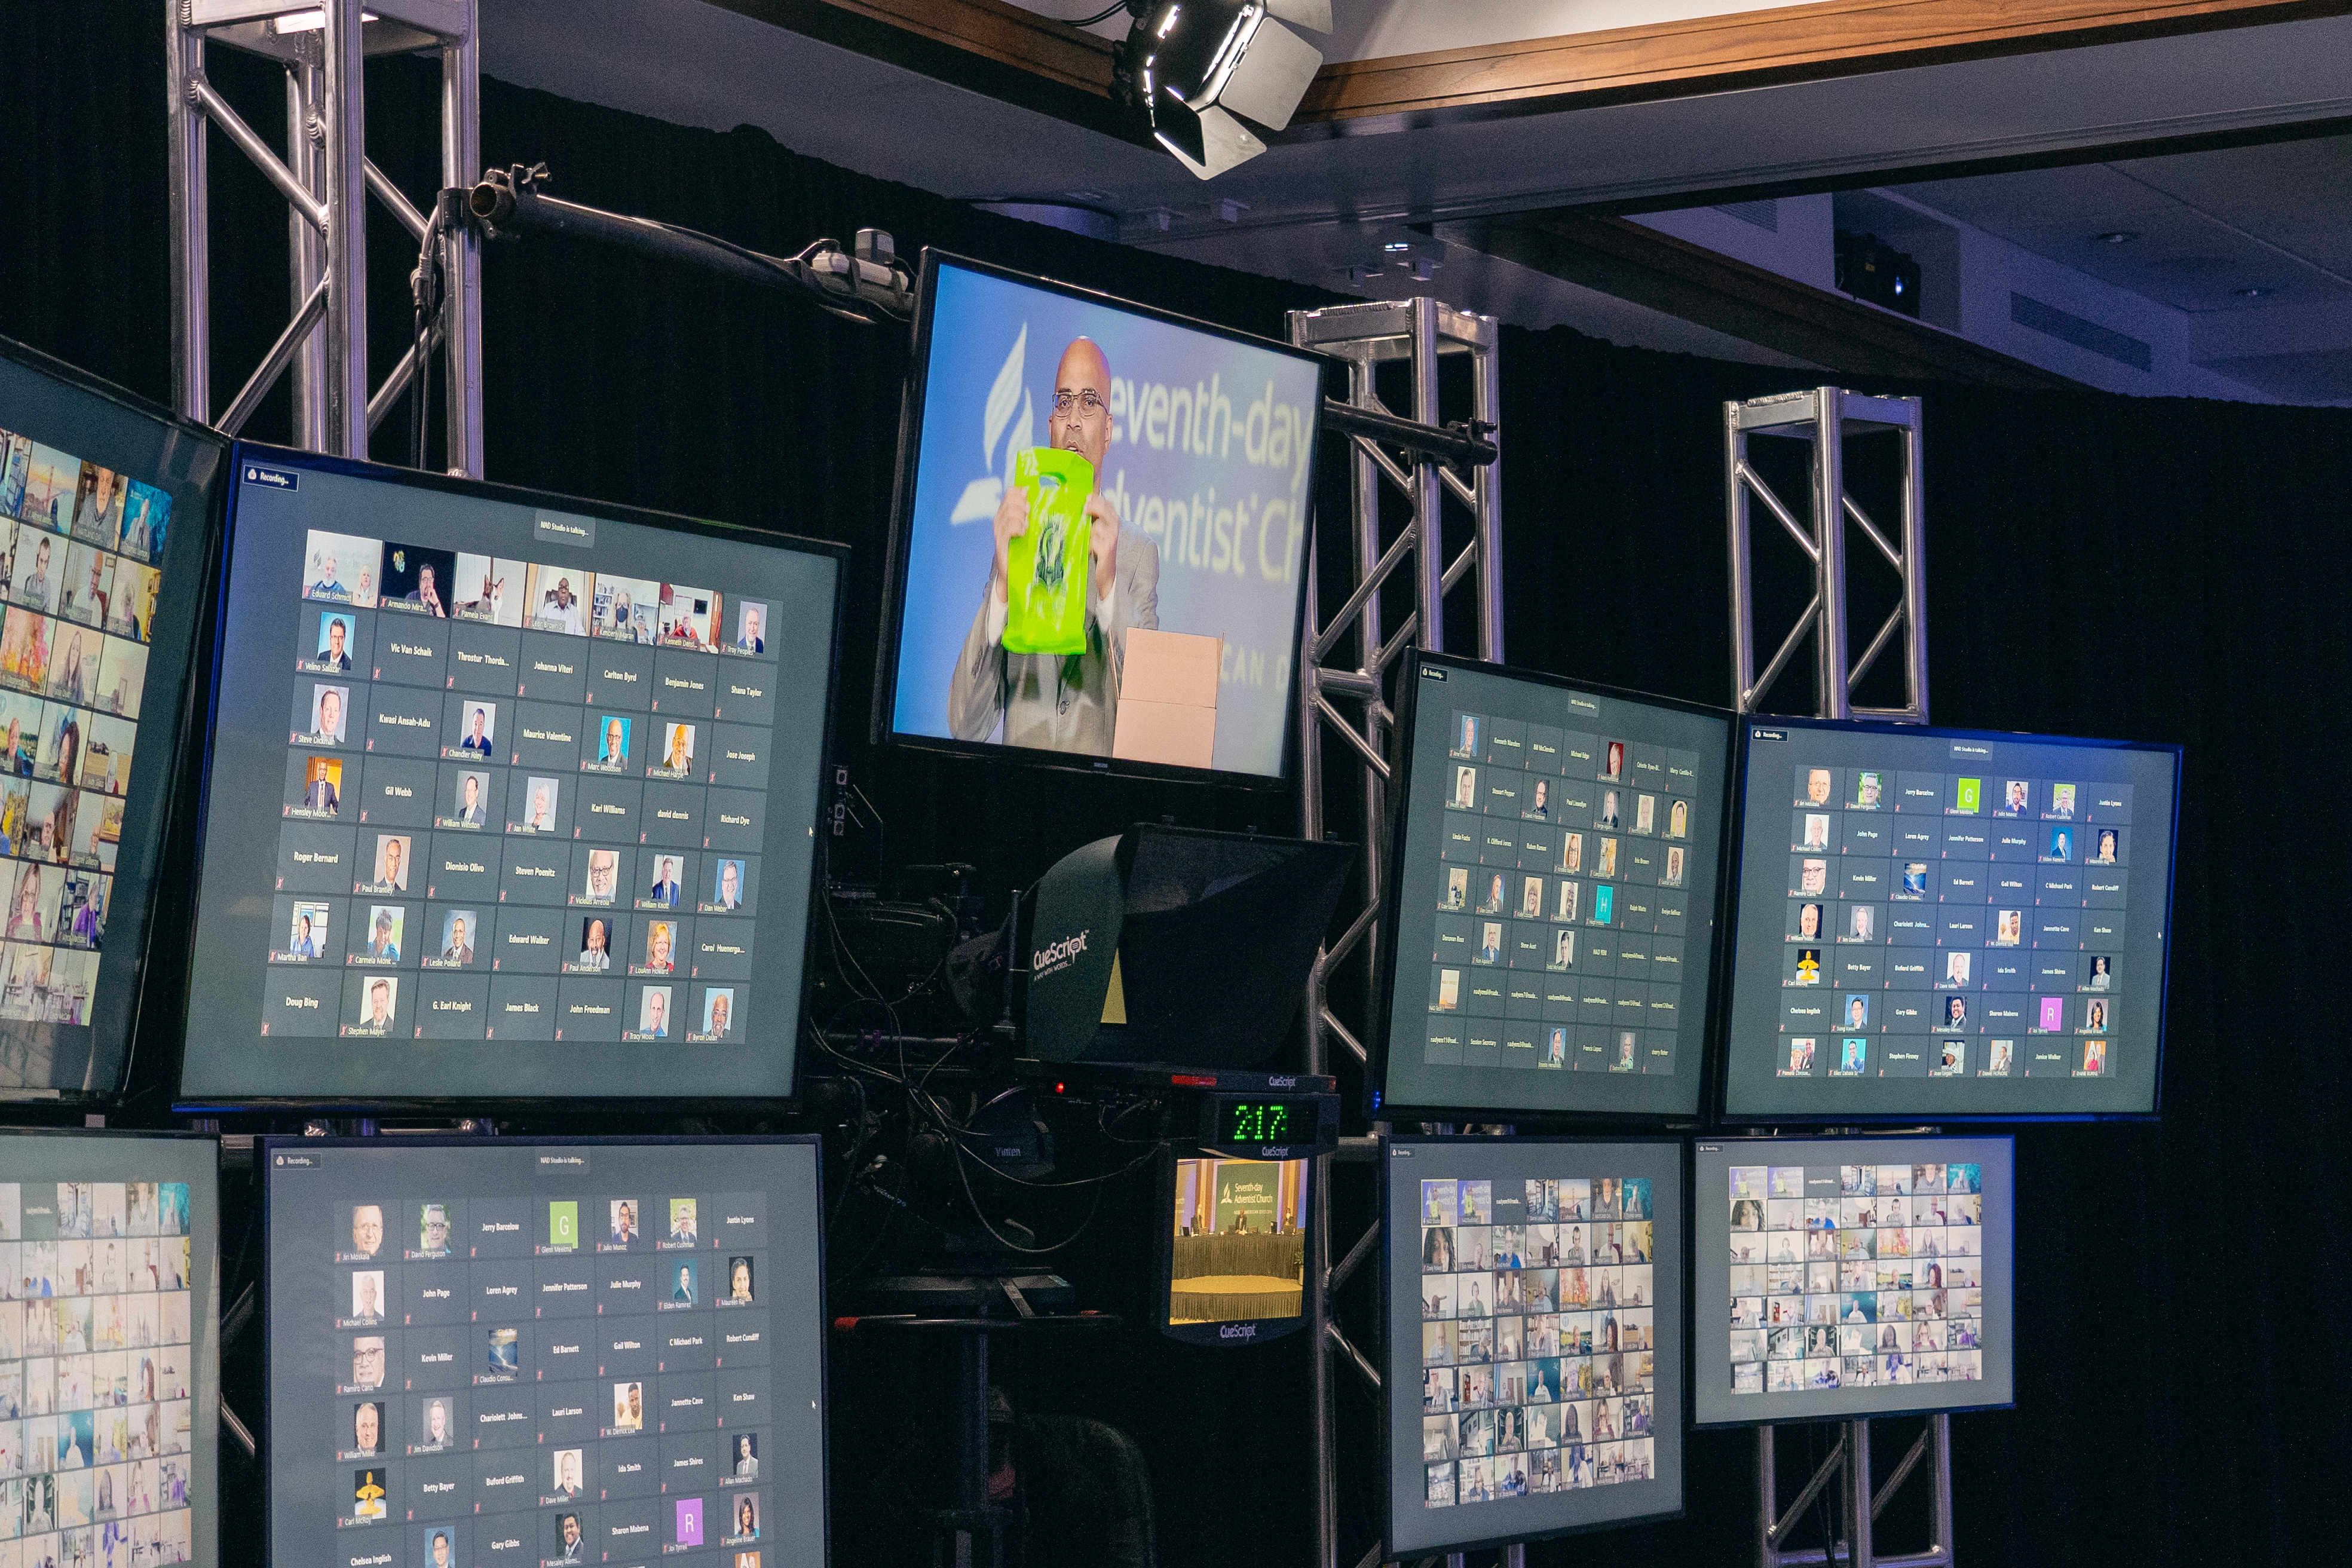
pixel 1057 702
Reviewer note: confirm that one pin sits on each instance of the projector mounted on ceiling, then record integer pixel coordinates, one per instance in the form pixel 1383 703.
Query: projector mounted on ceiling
pixel 1201 72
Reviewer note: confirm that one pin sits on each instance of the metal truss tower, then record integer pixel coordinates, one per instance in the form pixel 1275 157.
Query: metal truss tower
pixel 326 177
pixel 1825 417
pixel 1345 694
pixel 1811 417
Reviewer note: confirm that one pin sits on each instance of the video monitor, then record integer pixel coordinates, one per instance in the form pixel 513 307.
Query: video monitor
pixel 547 784
pixel 110 1349
pixel 106 526
pixel 1236 1260
pixel 1101 522
pixel 545 1352
pixel 1551 895
pixel 1846 1278
pixel 1535 1326
pixel 1943 924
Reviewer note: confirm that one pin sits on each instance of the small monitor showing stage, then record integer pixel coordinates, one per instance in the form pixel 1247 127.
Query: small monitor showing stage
pixel 1238 1249
pixel 1843 1278
pixel 1535 1326
pixel 1552 891
pixel 1947 925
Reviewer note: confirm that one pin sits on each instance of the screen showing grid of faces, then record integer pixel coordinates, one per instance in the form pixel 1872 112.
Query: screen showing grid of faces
pixel 545 1353
pixel 1933 923
pixel 1847 1278
pixel 477 791
pixel 108 1335
pixel 1535 1326
pixel 1557 884
pixel 92 494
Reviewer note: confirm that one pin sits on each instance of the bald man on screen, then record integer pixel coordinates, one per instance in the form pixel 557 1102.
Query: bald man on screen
pixel 1052 701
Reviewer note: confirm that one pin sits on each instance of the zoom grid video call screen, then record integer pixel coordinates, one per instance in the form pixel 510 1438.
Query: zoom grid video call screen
pixel 109 1351
pixel 1556 890
pixel 1936 923
pixel 93 494
pixel 539 1352
pixel 1845 1277
pixel 1535 1321
pixel 476 791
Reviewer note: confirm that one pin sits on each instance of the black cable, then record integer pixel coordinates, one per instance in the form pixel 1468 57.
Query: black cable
pixel 973 1200
pixel 1102 16
pixel 1825 1510
pixel 425 305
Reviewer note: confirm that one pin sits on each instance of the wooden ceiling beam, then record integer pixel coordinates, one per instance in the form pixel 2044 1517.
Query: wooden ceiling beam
pixel 1019 56
pixel 1753 48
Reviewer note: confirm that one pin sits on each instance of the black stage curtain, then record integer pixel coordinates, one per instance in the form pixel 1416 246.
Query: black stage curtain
pixel 2169 570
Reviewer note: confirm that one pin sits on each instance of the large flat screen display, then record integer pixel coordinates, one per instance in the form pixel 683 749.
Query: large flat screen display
pixel 1552 895
pixel 110 1349
pixel 543 1353
pixel 507 798
pixel 1943 924
pixel 106 528
pixel 1130 598
pixel 1843 1278
pixel 1535 1304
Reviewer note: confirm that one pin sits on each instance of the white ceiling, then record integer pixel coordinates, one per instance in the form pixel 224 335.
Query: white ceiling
pixel 1312 206
pixel 2202 226
pixel 2204 229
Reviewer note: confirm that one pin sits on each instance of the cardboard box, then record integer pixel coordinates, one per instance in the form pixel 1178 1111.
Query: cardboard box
pixel 1168 699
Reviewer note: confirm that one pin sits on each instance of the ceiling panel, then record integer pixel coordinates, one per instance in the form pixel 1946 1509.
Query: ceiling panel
pixel 2204 226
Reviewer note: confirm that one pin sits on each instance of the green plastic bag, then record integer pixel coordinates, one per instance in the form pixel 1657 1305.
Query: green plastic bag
pixel 1048 563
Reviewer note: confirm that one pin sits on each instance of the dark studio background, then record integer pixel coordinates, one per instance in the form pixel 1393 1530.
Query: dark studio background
pixel 2151 569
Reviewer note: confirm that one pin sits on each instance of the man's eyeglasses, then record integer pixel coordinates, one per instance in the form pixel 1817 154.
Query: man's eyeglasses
pixel 1085 399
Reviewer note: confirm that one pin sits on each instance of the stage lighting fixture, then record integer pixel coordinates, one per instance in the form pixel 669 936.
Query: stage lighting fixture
pixel 1196 70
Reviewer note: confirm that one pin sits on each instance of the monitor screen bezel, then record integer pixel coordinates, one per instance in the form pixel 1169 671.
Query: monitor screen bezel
pixel 190 591
pixel 1385 1153
pixel 1379 1107
pixel 513 495
pixel 266 1145
pixel 1730 1123
pixel 1690 1292
pixel 882 729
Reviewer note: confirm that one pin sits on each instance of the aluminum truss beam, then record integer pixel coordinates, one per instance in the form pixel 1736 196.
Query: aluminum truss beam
pixel 326 179
pixel 1826 417
pixel 1848 1468
pixel 1344 688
